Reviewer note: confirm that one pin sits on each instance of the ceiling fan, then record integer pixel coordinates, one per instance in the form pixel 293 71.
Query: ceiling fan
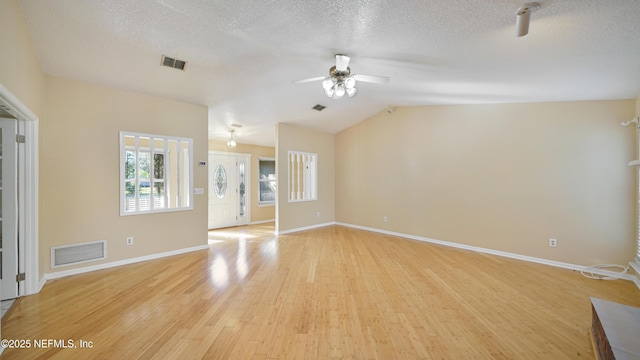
pixel 340 81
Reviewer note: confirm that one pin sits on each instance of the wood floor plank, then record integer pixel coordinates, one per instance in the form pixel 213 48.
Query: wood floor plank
pixel 328 293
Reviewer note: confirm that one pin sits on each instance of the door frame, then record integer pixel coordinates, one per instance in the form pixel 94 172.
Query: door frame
pixel 247 180
pixel 27 193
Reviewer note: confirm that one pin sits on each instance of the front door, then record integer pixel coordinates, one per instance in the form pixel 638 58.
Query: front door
pixel 8 209
pixel 228 190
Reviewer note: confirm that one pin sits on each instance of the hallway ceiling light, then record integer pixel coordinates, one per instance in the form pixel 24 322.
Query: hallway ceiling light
pixel 232 142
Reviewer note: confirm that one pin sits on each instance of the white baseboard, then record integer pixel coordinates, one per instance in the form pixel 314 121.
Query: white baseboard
pixel 305 228
pixel 41 284
pixel 559 264
pixel 261 222
pixel 82 270
pixel 493 252
pixel 635 265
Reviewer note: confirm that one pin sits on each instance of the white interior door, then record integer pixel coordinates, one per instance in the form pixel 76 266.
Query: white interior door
pixel 228 190
pixel 9 208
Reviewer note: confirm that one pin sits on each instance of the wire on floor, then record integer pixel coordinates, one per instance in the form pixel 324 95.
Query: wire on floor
pixel 596 272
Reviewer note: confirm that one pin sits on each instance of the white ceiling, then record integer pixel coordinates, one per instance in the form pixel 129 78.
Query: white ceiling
pixel 243 56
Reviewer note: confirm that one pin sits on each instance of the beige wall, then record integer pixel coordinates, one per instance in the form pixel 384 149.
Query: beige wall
pixel 79 170
pixel 302 214
pixel 258 213
pixel 20 71
pixel 504 177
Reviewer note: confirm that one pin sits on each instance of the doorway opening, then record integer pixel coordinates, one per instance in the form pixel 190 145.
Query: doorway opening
pixel 19 239
pixel 10 260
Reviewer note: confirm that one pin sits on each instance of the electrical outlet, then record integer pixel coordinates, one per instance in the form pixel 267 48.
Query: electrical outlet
pixel 318 214
pixel 385 219
pixel 553 242
pixel 130 240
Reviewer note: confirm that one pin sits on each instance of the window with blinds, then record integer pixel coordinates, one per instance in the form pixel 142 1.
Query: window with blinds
pixel 638 218
pixel 266 181
pixel 155 173
pixel 303 176
pixel 636 163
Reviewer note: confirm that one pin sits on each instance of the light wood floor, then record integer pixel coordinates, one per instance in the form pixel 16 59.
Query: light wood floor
pixel 333 292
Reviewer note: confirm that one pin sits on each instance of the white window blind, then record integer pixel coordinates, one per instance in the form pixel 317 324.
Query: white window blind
pixel 638 212
pixel 636 121
pixel 155 173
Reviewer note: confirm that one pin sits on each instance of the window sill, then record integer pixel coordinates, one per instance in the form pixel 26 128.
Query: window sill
pixel 157 211
pixel 301 200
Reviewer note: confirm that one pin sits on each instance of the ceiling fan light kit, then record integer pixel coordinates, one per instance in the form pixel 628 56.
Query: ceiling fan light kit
pixel 523 18
pixel 341 82
pixel 336 87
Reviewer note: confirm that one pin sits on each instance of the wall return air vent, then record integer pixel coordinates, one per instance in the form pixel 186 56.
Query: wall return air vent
pixel 173 63
pixel 78 253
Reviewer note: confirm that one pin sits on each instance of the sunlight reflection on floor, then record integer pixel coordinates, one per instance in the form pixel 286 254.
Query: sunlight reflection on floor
pixel 222 270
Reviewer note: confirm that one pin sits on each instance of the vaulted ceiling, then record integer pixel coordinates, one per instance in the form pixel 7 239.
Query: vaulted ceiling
pixel 243 56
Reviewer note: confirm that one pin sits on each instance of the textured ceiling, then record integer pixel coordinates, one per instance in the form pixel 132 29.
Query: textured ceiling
pixel 243 56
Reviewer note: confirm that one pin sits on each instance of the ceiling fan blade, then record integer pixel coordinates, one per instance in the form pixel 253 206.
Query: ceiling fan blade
pixel 372 79
pixel 309 80
pixel 342 62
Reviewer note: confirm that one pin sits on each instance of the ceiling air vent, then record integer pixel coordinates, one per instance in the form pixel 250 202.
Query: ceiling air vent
pixel 173 63
pixel 318 107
